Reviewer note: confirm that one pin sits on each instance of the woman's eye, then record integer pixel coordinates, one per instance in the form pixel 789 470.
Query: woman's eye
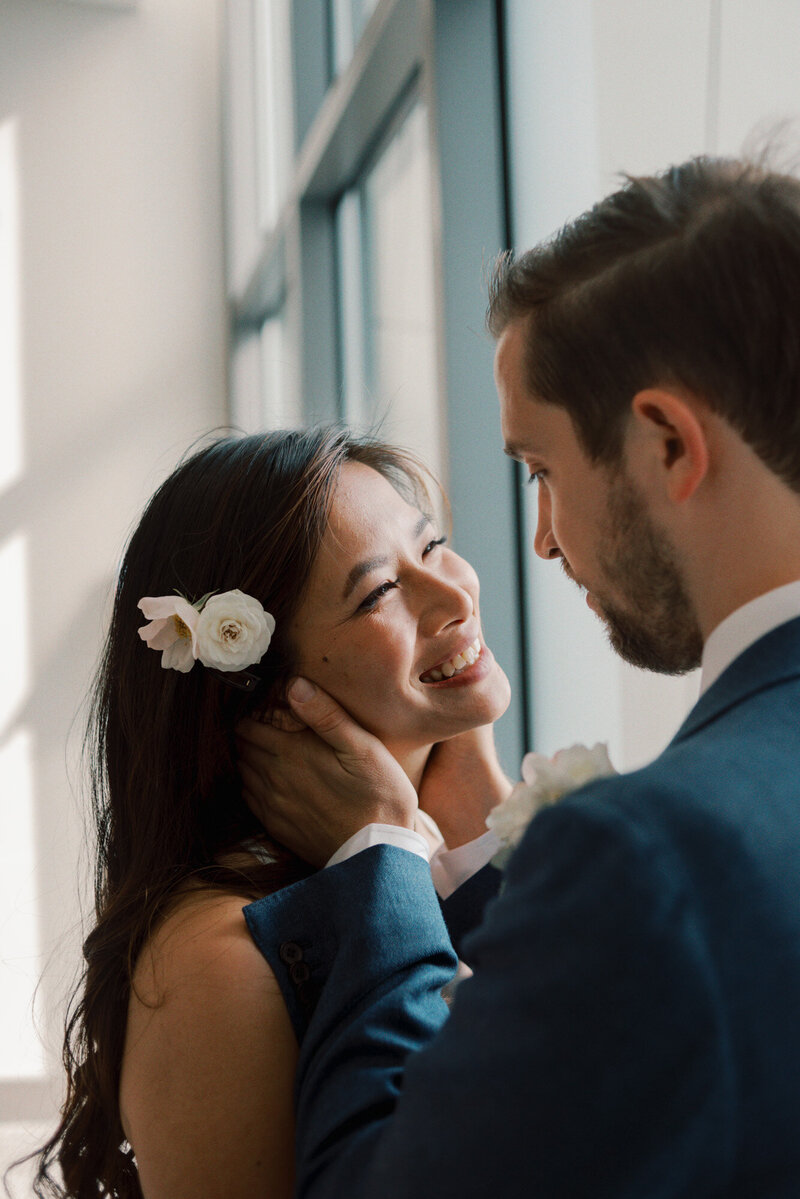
pixel 372 599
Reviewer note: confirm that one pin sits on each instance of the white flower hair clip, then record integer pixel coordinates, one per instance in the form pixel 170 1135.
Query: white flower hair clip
pixel 226 632
pixel 544 782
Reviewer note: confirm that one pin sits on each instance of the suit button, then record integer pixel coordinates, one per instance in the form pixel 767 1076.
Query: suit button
pixel 299 972
pixel 290 952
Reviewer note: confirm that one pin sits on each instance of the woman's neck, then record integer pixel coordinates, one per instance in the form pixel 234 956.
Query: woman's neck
pixel 413 761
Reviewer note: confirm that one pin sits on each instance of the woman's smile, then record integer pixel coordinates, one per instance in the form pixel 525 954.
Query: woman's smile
pixel 457 666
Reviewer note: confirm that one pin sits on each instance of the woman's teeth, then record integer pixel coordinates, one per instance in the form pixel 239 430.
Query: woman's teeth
pixel 467 657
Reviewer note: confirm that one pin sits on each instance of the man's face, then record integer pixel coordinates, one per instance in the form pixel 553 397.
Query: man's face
pixel 595 521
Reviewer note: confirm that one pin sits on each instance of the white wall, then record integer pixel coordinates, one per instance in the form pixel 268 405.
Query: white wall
pixel 598 87
pixel 112 359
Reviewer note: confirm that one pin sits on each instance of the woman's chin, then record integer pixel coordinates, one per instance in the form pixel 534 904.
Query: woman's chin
pixel 485 704
pixel 496 697
pixel 503 692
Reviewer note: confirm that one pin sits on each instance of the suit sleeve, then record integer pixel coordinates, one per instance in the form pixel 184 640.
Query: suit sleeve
pixel 464 910
pixel 586 1057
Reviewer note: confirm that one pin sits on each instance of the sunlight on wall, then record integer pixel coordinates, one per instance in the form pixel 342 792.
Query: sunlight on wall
pixel 10 402
pixel 20 1050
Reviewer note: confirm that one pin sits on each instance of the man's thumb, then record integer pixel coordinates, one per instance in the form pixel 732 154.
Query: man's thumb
pixel 322 714
pixel 301 691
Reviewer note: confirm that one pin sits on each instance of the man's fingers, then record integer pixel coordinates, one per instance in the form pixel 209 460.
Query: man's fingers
pixel 281 718
pixel 268 809
pixel 262 736
pixel 276 825
pixel 327 719
pixel 251 786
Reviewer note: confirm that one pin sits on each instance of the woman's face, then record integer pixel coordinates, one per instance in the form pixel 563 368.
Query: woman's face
pixel 389 625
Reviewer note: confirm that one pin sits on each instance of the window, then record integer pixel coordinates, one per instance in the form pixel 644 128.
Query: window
pixel 366 192
pixel 387 294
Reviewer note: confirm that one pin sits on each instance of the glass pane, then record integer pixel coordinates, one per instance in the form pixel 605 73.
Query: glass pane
pixel 355 403
pixel 349 19
pixel 400 317
pixel 273 106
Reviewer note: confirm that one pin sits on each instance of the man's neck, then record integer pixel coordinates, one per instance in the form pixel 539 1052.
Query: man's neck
pixel 747 545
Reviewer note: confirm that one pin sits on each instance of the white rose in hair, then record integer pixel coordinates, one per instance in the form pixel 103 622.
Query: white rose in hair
pixel 233 631
pixel 544 782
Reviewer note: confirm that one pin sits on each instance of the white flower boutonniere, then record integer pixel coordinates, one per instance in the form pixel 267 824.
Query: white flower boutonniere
pixel 544 782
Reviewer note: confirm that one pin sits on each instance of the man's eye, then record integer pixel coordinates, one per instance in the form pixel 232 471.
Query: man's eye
pixel 535 476
pixel 433 544
pixel 373 598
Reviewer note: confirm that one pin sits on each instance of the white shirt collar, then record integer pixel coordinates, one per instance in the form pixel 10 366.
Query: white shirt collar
pixel 744 627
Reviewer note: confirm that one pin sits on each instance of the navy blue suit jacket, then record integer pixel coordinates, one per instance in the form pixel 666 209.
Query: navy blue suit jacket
pixel 633 1026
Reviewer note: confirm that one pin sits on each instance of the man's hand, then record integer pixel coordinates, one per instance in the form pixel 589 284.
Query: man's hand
pixel 461 784
pixel 314 787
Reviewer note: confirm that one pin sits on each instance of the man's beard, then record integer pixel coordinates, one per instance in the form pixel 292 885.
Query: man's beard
pixel 657 629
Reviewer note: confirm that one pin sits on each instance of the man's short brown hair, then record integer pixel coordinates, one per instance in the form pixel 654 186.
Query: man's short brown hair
pixel 689 278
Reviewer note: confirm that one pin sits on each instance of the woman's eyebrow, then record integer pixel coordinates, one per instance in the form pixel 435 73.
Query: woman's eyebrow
pixel 363 568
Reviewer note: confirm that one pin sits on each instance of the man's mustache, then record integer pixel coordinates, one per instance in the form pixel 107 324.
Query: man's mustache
pixel 567 569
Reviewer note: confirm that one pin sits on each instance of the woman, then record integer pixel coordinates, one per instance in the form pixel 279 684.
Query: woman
pixel 179 1051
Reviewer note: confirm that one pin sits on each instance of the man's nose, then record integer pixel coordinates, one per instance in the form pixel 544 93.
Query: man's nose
pixel 544 543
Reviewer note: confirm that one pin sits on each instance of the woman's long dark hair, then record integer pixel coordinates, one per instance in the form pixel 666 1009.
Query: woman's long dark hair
pixel 246 513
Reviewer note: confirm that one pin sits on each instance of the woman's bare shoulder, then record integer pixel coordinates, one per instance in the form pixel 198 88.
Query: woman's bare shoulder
pixel 202 942
pixel 209 1046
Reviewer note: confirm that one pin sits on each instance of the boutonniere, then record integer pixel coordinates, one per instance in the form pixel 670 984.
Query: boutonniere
pixel 544 782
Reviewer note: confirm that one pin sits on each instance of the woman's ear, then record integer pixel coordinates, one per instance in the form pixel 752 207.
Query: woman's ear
pixel 674 437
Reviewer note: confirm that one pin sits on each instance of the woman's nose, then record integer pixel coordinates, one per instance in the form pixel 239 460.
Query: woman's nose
pixel 452 596
pixel 544 542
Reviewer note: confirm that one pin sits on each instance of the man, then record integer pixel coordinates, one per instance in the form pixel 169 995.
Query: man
pixel 632 1028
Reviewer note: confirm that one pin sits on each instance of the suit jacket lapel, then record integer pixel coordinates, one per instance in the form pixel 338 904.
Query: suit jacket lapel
pixel 774 658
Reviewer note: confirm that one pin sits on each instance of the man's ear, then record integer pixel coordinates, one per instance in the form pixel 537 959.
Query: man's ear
pixel 675 437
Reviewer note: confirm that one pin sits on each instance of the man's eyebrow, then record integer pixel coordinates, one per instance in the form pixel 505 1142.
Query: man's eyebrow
pixel 363 568
pixel 517 452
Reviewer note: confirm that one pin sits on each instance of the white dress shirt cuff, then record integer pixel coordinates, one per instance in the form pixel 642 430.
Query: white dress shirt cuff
pixel 381 834
pixel 452 867
pixel 449 867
